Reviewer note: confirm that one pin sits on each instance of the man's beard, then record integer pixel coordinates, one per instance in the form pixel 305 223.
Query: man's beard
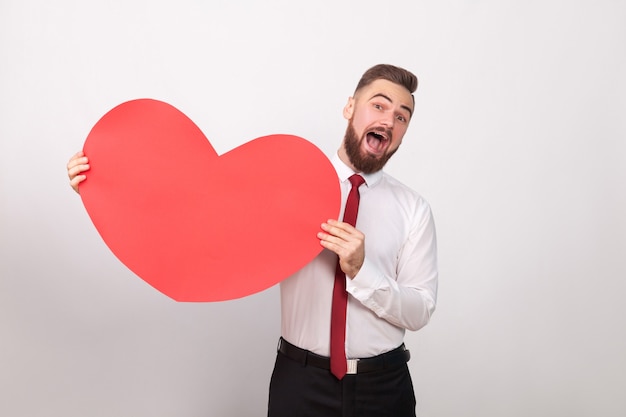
pixel 363 162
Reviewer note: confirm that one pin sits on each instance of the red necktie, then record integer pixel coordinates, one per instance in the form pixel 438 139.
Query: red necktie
pixel 338 363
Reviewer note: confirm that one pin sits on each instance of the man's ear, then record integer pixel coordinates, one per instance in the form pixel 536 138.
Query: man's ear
pixel 348 110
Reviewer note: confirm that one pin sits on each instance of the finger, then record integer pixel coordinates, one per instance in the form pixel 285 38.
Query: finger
pixel 74 183
pixel 342 230
pixel 78 158
pixel 75 170
pixel 341 247
pixel 330 239
pixel 81 160
pixel 336 228
pixel 341 225
pixel 339 250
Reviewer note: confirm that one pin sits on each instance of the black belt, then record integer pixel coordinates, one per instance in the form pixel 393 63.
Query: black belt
pixel 391 359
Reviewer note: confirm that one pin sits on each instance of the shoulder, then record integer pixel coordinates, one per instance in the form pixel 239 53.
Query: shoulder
pixel 404 197
pixel 394 186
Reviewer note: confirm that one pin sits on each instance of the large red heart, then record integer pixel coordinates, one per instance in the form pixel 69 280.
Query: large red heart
pixel 195 225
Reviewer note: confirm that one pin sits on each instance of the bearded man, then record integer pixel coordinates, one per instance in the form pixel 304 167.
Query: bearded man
pixel 345 314
pixel 386 264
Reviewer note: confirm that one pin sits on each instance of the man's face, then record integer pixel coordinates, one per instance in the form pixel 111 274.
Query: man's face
pixel 379 116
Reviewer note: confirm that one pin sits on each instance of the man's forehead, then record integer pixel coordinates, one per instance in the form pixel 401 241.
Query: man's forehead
pixel 387 90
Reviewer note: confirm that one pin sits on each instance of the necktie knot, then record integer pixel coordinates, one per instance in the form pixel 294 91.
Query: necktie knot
pixel 356 180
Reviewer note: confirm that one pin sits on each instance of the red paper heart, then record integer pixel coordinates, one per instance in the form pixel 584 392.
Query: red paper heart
pixel 195 225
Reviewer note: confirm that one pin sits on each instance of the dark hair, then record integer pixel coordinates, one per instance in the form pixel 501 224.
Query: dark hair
pixel 391 73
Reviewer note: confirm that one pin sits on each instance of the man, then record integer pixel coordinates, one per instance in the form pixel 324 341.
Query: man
pixel 386 263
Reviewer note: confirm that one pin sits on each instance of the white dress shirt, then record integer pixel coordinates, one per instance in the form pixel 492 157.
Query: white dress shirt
pixel 395 289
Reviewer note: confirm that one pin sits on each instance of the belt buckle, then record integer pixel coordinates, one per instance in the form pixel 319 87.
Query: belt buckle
pixel 352 366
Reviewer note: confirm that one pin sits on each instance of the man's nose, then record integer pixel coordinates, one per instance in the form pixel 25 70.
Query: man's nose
pixel 388 120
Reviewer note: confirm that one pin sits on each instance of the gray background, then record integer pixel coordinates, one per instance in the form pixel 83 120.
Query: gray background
pixel 518 143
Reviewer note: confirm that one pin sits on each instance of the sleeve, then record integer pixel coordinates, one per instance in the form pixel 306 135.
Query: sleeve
pixel 408 299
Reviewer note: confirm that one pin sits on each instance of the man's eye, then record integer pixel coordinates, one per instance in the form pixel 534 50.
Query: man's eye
pixel 401 118
pixel 378 106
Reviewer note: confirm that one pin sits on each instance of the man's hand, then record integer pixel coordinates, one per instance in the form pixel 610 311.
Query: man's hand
pixel 347 242
pixel 75 168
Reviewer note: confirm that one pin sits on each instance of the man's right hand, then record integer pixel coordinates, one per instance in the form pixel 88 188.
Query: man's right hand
pixel 75 168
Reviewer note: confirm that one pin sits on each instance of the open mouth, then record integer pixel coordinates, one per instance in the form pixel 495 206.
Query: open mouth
pixel 377 141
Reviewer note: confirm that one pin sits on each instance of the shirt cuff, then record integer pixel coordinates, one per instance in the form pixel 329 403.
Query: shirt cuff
pixel 366 282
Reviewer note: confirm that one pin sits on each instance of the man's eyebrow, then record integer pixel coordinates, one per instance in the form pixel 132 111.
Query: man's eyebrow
pixel 407 108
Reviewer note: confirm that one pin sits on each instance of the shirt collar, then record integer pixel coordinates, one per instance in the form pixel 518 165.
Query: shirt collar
pixel 344 172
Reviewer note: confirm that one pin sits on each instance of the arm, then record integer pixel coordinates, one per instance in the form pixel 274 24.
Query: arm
pixel 407 299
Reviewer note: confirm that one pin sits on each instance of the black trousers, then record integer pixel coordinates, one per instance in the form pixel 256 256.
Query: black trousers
pixel 301 390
